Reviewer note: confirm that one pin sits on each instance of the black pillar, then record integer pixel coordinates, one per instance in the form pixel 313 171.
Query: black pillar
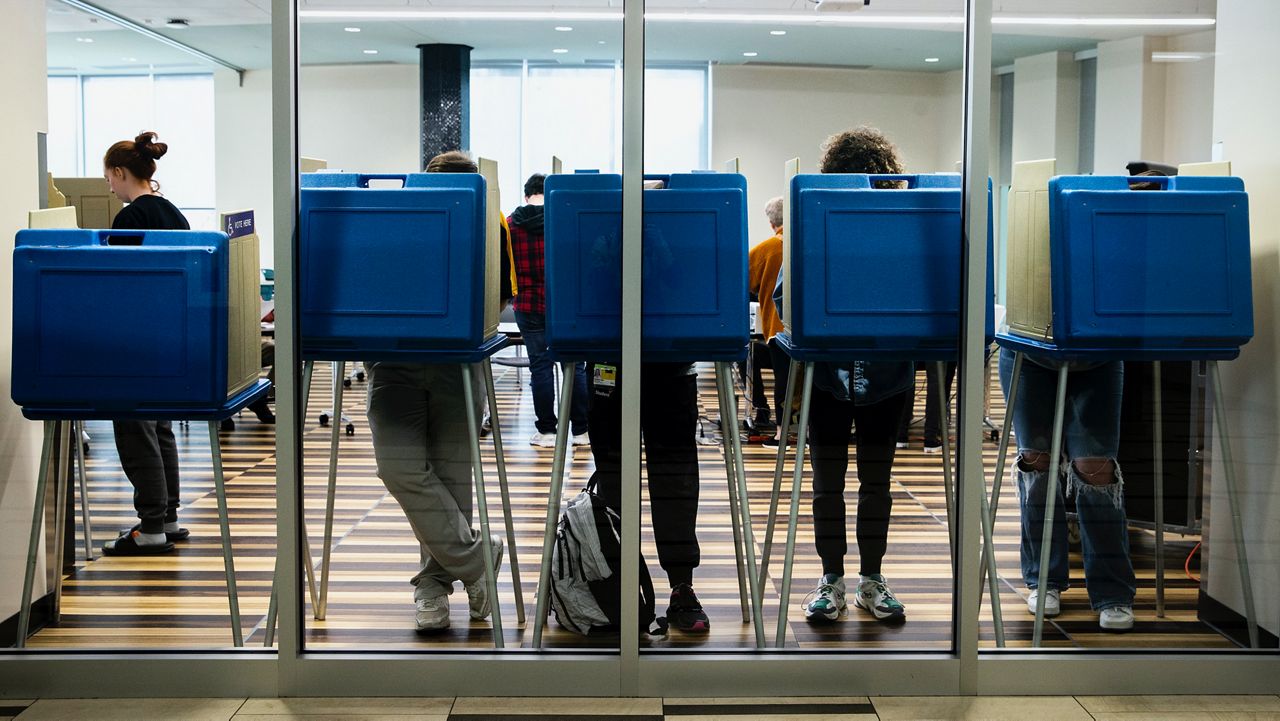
pixel 446 99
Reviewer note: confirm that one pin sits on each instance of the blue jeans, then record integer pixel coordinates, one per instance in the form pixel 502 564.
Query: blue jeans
pixel 1091 429
pixel 542 378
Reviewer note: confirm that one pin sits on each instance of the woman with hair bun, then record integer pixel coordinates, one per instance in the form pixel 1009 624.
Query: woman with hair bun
pixel 147 449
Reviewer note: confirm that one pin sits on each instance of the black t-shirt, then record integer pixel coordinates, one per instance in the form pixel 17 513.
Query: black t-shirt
pixel 150 212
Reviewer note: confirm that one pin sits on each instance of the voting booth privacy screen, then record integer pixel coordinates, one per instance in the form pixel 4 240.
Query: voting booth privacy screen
pixel 389 272
pixel 128 321
pixel 694 272
pixel 1096 264
pixel 874 270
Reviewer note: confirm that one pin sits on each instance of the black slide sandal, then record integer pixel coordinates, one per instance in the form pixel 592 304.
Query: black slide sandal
pixel 125 545
pixel 181 534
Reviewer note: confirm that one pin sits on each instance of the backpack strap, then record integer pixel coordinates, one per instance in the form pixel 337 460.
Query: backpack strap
pixel 648 603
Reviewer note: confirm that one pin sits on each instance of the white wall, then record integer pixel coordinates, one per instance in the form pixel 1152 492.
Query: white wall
pixel 1130 119
pixel 242 135
pixel 768 115
pixel 24 83
pixel 1246 104
pixel 1046 109
pixel 1189 100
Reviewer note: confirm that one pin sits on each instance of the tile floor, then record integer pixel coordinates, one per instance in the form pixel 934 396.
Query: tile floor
pixel 1046 708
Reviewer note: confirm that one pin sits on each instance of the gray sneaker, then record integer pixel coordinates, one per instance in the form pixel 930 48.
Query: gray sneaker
pixel 433 613
pixel 477 593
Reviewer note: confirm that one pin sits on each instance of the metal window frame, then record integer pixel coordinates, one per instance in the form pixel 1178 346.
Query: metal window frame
pixel 966 670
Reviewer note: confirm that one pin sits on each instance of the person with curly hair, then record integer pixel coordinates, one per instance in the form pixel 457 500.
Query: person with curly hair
pixel 872 395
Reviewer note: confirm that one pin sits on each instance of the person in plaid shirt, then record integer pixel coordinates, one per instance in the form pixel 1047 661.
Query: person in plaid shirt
pixel 531 315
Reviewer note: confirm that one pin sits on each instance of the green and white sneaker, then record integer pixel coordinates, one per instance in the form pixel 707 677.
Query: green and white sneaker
pixel 828 602
pixel 873 594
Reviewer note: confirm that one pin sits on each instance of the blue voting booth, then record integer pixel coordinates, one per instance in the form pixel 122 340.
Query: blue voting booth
pixel 1148 274
pixel 124 325
pixel 394 273
pixel 694 308
pixel 871 273
pixel 1153 274
pixel 694 274
pixel 875 272
pixel 405 274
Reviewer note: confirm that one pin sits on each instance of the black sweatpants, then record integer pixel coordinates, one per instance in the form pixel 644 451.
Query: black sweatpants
pixel 668 421
pixel 781 374
pixel 760 358
pixel 829 423
pixel 932 419
pixel 149 455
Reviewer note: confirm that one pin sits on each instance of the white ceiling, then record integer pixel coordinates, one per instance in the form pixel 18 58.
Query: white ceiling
pixel 238 31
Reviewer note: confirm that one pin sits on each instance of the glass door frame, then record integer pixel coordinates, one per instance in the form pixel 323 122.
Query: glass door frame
pixel 292 671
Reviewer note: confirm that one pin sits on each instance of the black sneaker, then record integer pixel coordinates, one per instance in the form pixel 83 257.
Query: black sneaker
pixel 685 612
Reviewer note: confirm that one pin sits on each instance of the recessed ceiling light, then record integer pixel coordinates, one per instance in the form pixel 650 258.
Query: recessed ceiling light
pixel 749 55
pixel 352 30
pixel 777 32
pixel 84 40
pixel 176 24
pixel 130 60
pixel 599 42
pixel 560 51
pixel 371 52
pixel 563 28
pixel 931 60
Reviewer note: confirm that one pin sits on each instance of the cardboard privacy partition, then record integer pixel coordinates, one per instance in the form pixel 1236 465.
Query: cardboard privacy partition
pixel 56 198
pixel 1217 167
pixel 311 165
pixel 1029 306
pixel 790 169
pixel 121 322
pixel 1163 271
pixel 52 218
pixel 244 337
pixel 96 206
pixel 392 272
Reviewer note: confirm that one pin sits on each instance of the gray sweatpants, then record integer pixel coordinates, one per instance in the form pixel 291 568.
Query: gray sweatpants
pixel 422 447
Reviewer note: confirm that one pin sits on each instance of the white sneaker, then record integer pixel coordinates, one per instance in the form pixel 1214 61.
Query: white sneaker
pixel 1052 602
pixel 543 440
pixel 933 449
pixel 582 439
pixel 433 613
pixel 828 602
pixel 874 595
pixel 901 444
pixel 477 593
pixel 1116 618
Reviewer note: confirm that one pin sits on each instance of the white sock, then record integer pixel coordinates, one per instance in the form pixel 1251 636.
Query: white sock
pixel 171 527
pixel 150 539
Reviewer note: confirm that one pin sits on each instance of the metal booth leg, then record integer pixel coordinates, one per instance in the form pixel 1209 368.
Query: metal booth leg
pixel 1050 501
pixel 728 427
pixel 725 377
pixel 785 429
pixel 326 553
pixel 1158 473
pixel 82 474
pixel 948 487
pixel 567 371
pixel 482 505
pixel 989 513
pixel 61 461
pixel 33 545
pixel 1233 499
pixel 794 516
pixel 224 524
pixel 500 458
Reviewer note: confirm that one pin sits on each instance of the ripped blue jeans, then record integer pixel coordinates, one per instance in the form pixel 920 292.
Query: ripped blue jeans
pixel 1091 429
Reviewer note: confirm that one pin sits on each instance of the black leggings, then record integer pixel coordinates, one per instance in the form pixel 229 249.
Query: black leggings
pixel 830 422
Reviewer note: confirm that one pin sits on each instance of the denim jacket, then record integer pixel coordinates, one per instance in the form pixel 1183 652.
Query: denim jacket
pixel 863 382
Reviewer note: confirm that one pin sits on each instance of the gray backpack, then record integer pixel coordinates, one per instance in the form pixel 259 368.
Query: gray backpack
pixel 586 587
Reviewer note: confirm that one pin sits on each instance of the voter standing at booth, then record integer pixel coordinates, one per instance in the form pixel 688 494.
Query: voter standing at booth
pixel 530 305
pixel 147 449
pixel 418 424
pixel 873 395
pixel 764 262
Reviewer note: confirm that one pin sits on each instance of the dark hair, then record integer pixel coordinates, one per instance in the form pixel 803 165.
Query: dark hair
pixel 861 150
pixel 534 185
pixel 453 161
pixel 138 156
pixel 1147 185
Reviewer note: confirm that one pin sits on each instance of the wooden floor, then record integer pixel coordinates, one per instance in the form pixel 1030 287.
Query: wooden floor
pixel 178 600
